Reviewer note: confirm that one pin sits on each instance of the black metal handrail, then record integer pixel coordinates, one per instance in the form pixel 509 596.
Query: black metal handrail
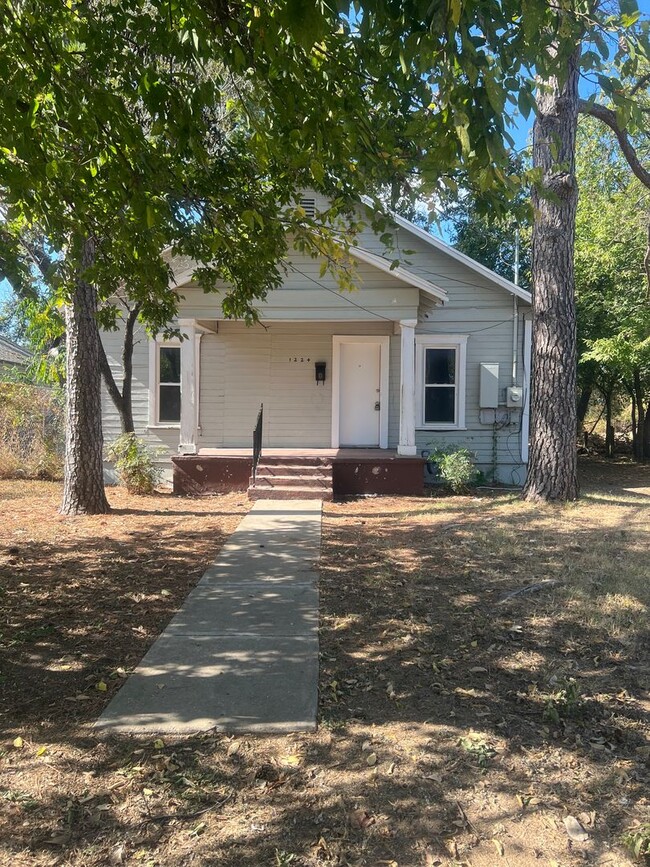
pixel 257 441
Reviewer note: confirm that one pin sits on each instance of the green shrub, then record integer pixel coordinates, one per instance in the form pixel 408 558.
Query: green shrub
pixel 456 467
pixel 565 702
pixel 134 461
pixel 637 840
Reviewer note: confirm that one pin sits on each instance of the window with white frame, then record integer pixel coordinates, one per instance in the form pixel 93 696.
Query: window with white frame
pixel 440 381
pixel 168 383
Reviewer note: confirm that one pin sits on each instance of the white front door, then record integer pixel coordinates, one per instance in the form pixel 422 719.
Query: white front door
pixel 359 394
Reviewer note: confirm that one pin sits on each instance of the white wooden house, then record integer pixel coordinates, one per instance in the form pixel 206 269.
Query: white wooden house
pixel 357 387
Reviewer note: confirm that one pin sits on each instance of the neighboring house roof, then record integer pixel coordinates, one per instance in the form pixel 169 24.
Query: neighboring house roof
pixel 450 251
pixel 11 353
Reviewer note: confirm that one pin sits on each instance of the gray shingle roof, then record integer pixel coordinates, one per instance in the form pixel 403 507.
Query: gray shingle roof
pixel 11 353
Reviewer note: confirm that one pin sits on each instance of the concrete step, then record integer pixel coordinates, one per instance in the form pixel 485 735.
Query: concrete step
pixel 266 469
pixel 282 492
pixel 265 481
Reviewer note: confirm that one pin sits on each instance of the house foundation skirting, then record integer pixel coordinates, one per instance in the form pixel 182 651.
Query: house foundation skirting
pixel 354 471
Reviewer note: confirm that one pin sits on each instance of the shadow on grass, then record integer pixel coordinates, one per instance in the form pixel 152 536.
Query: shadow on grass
pixel 77 612
pixel 449 717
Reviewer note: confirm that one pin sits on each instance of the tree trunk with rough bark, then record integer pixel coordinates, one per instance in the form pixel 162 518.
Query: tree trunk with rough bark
pixel 83 481
pixel 552 467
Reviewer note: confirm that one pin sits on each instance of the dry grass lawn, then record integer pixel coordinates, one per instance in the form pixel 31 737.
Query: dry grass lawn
pixel 460 724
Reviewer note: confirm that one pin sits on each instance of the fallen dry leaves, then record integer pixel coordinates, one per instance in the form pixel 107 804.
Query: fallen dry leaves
pixel 457 727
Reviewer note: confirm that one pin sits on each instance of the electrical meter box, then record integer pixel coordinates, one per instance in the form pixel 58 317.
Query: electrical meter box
pixel 515 396
pixel 489 386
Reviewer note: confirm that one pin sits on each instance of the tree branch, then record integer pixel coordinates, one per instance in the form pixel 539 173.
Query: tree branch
pixel 608 117
pixel 641 83
pixel 646 263
pixel 108 377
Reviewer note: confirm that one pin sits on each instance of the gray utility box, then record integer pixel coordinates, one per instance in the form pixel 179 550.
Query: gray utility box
pixel 515 397
pixel 489 386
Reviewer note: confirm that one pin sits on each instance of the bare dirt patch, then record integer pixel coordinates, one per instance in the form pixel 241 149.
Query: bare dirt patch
pixel 459 724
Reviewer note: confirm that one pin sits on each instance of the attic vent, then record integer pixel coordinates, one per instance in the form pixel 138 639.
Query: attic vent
pixel 309 207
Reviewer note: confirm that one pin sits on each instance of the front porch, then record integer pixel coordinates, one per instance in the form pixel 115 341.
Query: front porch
pixel 337 472
pixel 324 385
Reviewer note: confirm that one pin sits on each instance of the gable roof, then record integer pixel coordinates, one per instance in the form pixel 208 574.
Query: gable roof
pixel 450 251
pixel 11 353
pixel 184 267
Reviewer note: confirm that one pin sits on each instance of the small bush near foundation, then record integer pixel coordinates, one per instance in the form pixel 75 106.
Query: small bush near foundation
pixel 31 431
pixel 456 468
pixel 134 462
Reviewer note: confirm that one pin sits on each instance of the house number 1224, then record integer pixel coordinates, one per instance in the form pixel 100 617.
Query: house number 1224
pixel 295 358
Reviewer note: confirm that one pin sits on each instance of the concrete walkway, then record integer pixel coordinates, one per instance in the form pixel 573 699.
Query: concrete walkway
pixel 242 652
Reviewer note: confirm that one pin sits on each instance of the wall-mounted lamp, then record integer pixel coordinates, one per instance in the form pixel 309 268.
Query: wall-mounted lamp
pixel 320 367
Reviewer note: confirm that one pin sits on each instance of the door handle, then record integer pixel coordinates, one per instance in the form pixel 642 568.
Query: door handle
pixel 377 406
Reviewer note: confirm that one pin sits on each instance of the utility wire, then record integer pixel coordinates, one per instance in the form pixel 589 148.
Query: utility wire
pixel 338 294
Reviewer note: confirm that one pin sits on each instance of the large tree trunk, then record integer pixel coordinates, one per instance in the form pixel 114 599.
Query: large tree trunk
pixel 552 468
pixel 83 481
pixel 646 434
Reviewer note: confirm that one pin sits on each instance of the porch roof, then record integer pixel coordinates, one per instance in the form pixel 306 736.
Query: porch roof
pixel 400 273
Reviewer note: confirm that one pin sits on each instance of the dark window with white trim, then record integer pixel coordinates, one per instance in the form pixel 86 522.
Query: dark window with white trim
pixel 440 381
pixel 440 385
pixel 169 384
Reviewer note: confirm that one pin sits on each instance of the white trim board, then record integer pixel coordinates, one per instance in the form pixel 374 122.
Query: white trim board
pixel 384 343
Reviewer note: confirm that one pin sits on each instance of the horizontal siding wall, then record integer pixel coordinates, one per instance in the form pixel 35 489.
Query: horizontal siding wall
pixel 465 287
pixel 256 365
pixel 164 441
pixel 490 334
pixel 394 375
pixel 307 295
pixel 242 367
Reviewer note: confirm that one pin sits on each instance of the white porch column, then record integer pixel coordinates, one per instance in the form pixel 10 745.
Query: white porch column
pixel 189 387
pixel 407 389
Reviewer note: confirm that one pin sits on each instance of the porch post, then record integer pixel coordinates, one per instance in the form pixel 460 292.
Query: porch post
pixel 407 389
pixel 187 443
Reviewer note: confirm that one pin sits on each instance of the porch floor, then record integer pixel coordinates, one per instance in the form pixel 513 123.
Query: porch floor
pixel 371 454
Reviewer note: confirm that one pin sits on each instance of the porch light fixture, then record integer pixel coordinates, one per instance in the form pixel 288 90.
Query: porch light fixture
pixel 320 367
